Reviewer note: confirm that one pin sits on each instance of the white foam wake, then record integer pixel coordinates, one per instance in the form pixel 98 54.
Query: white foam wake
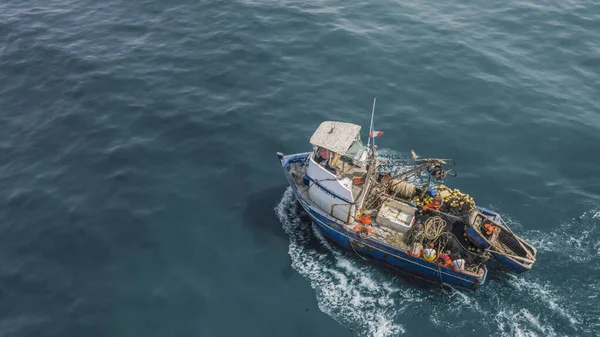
pixel 577 238
pixel 544 293
pixel 521 323
pixel 345 289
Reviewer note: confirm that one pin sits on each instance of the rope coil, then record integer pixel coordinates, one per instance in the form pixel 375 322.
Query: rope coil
pixel 434 227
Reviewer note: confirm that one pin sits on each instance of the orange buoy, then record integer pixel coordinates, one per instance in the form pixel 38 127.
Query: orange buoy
pixel 363 229
pixel 365 220
pixel 357 180
pixel 446 263
pixel 434 205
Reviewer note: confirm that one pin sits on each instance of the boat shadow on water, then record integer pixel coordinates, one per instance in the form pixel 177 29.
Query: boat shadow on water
pixel 259 215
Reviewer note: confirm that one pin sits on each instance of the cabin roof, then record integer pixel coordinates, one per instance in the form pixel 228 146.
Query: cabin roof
pixel 335 136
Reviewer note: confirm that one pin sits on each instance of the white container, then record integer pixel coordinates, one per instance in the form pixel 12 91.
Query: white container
pixel 396 215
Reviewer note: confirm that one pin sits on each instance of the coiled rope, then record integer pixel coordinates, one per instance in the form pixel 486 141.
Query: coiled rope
pixel 434 227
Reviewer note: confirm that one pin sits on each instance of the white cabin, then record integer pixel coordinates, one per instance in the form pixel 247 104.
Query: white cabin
pixel 338 157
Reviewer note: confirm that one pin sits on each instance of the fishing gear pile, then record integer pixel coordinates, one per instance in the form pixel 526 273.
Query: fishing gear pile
pixel 426 200
pixel 455 202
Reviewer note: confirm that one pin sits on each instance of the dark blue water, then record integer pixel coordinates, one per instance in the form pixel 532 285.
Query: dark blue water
pixel 141 195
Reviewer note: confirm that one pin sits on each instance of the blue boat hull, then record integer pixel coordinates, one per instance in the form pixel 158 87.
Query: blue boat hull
pixel 509 263
pixel 373 248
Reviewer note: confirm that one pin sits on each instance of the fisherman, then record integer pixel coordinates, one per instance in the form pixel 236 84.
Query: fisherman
pixel 444 259
pixel 458 264
pixel 490 229
pixel 322 154
pixel 429 253
pixel 416 249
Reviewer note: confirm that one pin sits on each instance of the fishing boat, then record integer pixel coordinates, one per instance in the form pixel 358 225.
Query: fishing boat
pixel 405 218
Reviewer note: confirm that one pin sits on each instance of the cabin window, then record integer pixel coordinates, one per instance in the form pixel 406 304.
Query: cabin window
pixel 326 159
pixel 355 152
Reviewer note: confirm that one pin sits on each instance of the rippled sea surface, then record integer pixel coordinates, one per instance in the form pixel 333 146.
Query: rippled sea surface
pixel 141 195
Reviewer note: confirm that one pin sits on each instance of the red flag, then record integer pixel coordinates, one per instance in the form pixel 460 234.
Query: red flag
pixel 375 134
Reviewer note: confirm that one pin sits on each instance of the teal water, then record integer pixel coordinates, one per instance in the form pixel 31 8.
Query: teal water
pixel 141 194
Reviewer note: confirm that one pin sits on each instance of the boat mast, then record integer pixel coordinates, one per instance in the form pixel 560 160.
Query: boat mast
pixel 371 126
pixel 371 162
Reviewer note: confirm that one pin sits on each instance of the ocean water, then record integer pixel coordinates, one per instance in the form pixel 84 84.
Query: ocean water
pixel 141 194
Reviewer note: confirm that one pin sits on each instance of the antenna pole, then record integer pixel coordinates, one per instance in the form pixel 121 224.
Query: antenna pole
pixel 371 166
pixel 371 127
